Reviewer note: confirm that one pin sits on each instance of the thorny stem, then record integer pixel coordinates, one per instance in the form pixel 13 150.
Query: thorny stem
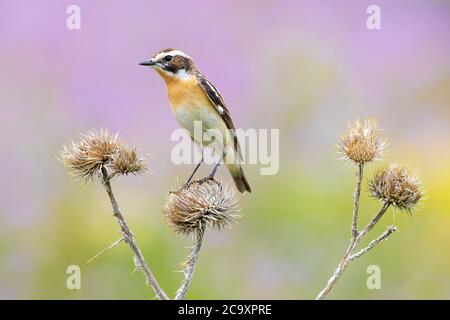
pixel 189 267
pixel 350 255
pixel 128 237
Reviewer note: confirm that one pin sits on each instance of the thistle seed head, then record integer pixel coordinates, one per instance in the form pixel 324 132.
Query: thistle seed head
pixel 85 158
pixel 362 142
pixel 396 186
pixel 201 206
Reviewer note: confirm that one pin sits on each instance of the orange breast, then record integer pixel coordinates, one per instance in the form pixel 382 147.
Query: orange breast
pixel 184 93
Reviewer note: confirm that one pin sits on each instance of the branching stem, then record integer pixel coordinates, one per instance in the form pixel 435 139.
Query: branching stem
pixel 374 242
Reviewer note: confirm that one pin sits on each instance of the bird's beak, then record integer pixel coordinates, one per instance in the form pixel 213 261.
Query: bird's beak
pixel 148 63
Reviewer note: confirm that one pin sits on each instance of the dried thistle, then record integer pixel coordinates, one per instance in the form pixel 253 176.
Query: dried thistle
pixel 392 185
pixel 85 158
pixel 98 149
pixel 396 186
pixel 362 142
pixel 99 153
pixel 200 206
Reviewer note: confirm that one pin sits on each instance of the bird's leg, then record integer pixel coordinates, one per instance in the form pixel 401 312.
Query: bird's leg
pixel 213 172
pixel 193 173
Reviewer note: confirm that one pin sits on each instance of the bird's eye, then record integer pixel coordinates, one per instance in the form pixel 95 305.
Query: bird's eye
pixel 168 58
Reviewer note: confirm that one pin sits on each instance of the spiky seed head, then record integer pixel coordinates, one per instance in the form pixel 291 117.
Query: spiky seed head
pixel 362 142
pixel 396 186
pixel 96 149
pixel 201 206
pixel 85 157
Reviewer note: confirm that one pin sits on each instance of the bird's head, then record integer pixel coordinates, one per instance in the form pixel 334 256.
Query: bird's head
pixel 171 63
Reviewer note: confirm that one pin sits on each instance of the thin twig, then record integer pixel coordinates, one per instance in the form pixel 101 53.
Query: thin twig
pixel 374 242
pixel 189 267
pixel 128 237
pixel 115 243
pixel 348 254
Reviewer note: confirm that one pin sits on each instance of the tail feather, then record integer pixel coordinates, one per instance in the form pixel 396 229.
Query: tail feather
pixel 240 180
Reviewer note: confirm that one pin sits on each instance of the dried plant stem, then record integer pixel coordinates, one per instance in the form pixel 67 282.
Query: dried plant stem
pixel 350 255
pixel 128 237
pixel 374 221
pixel 189 267
pixel 374 242
pixel 356 196
pixel 344 262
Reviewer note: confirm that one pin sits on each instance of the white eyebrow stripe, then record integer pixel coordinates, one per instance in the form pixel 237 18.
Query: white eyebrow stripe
pixel 172 53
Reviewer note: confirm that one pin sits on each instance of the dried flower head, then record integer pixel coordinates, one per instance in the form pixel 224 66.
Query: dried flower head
pixel 201 206
pixel 395 185
pixel 98 149
pixel 362 142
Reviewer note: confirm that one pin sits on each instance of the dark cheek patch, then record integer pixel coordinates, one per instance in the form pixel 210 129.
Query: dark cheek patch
pixel 176 64
pixel 180 62
pixel 170 67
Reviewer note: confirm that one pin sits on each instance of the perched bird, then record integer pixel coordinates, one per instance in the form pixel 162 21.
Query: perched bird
pixel 194 98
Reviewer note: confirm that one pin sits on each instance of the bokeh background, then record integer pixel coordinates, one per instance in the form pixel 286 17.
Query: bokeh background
pixel 307 68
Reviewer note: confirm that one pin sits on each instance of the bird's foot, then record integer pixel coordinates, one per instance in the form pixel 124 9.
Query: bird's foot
pixel 205 179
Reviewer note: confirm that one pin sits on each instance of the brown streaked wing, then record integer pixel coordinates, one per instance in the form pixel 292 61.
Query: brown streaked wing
pixel 219 104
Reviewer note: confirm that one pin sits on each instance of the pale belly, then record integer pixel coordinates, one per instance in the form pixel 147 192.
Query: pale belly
pixel 204 120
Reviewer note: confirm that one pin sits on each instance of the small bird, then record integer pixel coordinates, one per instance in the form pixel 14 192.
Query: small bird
pixel 194 98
